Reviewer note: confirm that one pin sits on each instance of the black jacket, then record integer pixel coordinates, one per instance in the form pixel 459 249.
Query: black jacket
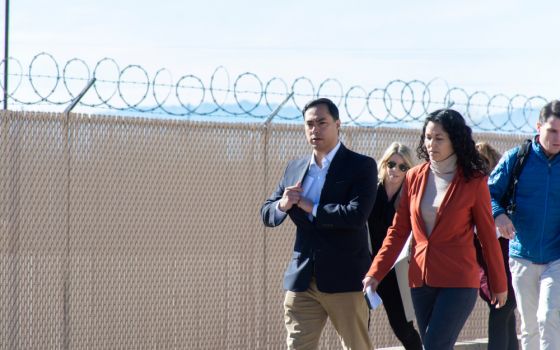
pixel 381 218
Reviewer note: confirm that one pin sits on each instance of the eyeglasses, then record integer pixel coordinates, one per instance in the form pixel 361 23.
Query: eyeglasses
pixel 402 167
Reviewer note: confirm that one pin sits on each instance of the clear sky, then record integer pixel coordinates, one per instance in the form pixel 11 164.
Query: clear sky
pixel 497 46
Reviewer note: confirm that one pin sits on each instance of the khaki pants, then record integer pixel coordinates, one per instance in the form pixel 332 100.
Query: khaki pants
pixel 305 315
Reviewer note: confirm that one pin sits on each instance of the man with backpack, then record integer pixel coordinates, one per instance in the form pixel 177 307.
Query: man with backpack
pixel 525 191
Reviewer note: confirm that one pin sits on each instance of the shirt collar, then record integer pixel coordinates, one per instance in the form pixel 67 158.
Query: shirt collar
pixel 328 158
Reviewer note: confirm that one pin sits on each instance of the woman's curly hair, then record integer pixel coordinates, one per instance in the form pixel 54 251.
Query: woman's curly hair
pixel 460 134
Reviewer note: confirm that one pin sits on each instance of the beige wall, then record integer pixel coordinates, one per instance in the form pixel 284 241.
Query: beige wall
pixel 134 233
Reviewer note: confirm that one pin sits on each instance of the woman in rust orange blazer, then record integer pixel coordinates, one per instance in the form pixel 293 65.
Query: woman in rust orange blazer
pixel 442 201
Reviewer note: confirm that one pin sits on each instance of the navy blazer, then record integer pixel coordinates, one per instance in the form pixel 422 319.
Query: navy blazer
pixel 334 246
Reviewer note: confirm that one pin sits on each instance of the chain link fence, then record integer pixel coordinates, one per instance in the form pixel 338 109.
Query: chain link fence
pixel 142 233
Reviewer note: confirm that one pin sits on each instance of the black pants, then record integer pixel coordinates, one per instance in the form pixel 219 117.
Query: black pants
pixel 502 334
pixel 389 292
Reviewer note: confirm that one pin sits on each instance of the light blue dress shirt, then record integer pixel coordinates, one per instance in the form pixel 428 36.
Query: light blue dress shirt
pixel 313 182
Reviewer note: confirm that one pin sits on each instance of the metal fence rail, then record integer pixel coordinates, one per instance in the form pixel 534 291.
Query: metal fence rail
pixel 45 83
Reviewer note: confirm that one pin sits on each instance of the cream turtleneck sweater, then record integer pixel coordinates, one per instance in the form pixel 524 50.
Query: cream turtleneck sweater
pixel 440 176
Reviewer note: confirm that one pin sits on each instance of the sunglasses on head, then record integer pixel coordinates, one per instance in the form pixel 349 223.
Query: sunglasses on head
pixel 402 167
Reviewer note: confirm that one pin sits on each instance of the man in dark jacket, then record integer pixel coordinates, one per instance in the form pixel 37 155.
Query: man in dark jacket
pixel 329 197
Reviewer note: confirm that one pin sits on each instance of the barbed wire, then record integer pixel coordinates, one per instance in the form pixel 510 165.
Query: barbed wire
pixel 133 90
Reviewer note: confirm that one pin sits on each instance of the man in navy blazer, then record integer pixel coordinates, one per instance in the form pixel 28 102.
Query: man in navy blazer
pixel 329 197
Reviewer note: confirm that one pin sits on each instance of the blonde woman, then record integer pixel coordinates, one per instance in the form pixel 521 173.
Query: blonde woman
pixel 392 168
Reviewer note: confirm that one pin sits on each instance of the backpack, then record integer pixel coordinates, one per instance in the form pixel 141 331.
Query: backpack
pixel 508 200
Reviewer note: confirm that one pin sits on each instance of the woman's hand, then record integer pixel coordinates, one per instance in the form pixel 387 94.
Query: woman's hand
pixel 370 281
pixel 499 299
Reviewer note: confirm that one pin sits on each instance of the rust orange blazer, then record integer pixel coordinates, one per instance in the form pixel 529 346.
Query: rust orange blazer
pixel 447 258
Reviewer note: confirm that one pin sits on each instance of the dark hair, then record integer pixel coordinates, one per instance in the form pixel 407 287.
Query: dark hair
pixel 333 110
pixel 460 134
pixel 489 154
pixel 550 109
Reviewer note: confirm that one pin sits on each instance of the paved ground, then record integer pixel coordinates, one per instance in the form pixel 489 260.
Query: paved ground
pixel 477 344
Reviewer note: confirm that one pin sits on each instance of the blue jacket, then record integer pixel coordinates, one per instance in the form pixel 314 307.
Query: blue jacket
pixel 537 215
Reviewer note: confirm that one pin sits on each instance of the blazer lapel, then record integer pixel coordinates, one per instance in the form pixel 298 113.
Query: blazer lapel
pixel 423 175
pixel 336 163
pixel 299 171
pixel 302 171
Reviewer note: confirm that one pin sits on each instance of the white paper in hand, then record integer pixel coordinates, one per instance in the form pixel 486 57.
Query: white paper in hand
pixel 373 299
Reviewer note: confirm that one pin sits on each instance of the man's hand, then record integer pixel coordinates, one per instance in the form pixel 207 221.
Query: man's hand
pixel 291 197
pixel 370 281
pixel 305 204
pixel 505 226
pixel 499 299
